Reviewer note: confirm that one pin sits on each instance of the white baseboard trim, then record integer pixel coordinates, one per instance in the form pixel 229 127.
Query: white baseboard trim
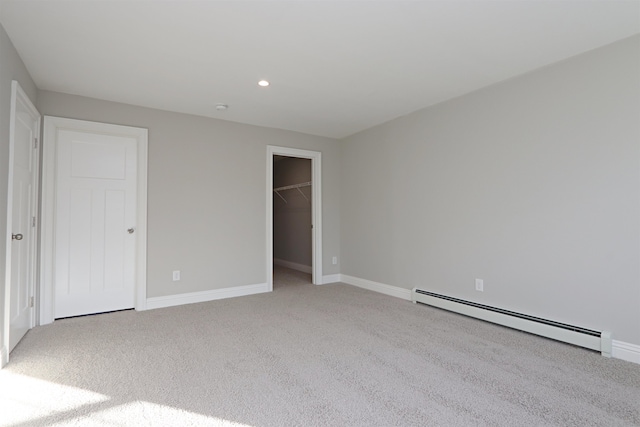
pixel 4 357
pixel 625 351
pixel 393 291
pixel 331 278
pixel 214 294
pixel 293 265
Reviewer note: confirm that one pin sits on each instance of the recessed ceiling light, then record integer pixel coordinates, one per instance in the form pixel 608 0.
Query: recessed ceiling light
pixel 221 107
pixel 263 83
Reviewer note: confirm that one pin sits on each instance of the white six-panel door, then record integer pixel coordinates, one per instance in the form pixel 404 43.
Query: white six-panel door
pixel 94 229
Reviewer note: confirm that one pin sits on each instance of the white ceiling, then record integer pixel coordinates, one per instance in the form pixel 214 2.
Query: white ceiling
pixel 335 67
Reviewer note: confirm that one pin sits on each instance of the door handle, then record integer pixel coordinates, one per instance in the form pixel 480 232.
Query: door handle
pixel 130 230
pixel 16 236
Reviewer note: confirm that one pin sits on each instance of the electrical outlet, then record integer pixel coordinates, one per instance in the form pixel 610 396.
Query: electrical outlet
pixel 176 275
pixel 334 260
pixel 480 285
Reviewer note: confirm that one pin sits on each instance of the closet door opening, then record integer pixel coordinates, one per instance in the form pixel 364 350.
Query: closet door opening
pixel 292 224
pixel 294 221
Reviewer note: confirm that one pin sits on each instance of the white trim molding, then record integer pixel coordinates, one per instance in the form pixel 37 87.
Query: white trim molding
pixel 293 265
pixel 47 283
pixel 625 351
pixel 204 296
pixel 331 278
pixel 141 219
pixel 4 356
pixel 316 209
pixel 382 288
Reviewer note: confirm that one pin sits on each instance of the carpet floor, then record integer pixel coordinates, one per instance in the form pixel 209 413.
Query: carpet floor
pixel 305 355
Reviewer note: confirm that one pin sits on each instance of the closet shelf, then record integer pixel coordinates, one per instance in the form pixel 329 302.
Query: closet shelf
pixel 292 187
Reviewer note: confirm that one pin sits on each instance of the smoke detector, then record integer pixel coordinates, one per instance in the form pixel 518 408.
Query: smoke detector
pixel 222 107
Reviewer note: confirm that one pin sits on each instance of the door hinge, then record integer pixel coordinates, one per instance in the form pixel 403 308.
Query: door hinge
pixel 31 302
pixel 35 143
pixel 33 221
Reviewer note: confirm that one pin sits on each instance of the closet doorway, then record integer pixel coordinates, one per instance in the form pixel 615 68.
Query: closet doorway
pixel 294 230
pixel 292 226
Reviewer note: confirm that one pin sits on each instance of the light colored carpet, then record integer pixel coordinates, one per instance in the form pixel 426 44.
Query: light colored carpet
pixel 305 355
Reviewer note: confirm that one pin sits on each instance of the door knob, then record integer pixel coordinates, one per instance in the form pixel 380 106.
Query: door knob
pixel 16 236
pixel 130 230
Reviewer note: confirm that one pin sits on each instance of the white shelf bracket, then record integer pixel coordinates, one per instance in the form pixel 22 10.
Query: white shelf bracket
pixel 278 193
pixel 303 195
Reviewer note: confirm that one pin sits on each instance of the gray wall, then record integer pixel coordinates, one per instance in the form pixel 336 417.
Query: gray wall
pixel 11 68
pixel 207 192
pixel 292 220
pixel 532 185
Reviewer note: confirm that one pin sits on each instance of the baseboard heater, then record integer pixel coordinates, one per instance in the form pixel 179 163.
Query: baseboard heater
pixel 594 340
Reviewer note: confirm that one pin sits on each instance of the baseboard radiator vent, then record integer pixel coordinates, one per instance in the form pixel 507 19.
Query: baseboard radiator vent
pixel 594 340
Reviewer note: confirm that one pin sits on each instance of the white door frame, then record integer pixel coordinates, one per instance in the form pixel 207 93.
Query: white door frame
pixel 316 209
pixel 47 282
pixel 19 95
